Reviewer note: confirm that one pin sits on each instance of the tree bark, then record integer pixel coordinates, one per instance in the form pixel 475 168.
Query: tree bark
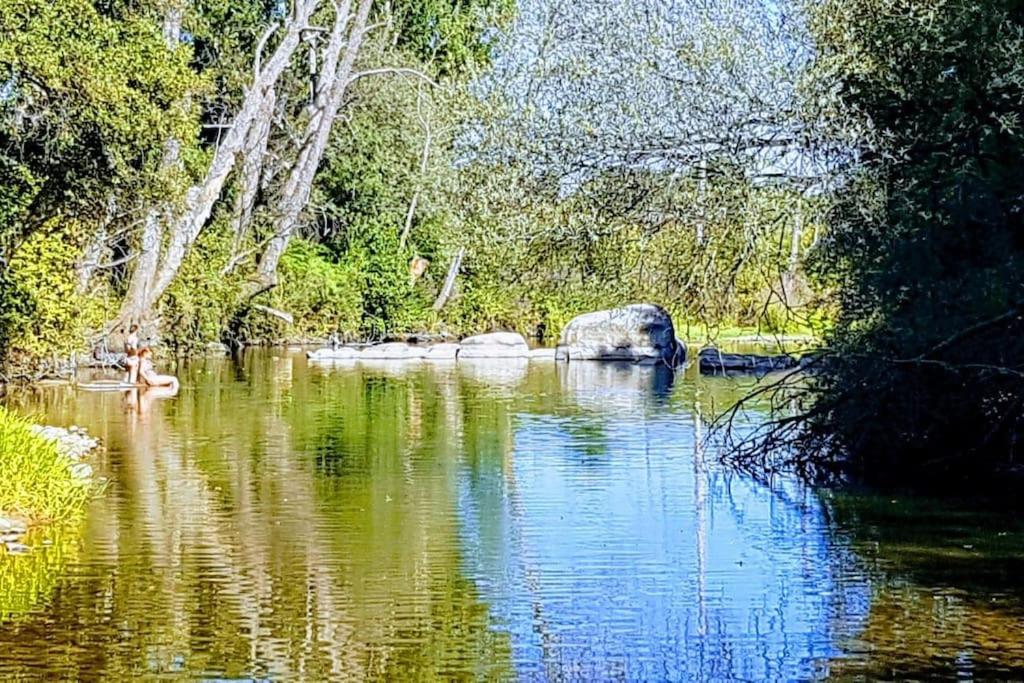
pixel 252 169
pixel 136 303
pixel 299 184
pixel 449 280
pixel 95 249
pixel 201 198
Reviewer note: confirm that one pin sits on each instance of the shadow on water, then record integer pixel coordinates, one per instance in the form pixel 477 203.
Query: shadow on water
pixel 486 520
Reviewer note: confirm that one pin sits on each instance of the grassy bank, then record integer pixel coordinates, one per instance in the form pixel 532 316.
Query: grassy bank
pixel 36 481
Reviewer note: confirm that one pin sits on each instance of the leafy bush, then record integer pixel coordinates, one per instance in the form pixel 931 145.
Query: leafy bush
pixel 324 296
pixel 201 304
pixel 41 311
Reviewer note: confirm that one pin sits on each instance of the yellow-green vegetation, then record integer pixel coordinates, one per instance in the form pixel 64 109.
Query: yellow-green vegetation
pixel 29 578
pixel 45 313
pixel 38 483
pixel 98 150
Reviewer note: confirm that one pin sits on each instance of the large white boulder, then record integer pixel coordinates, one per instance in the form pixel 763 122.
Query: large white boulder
pixel 639 333
pixel 393 351
pixel 494 345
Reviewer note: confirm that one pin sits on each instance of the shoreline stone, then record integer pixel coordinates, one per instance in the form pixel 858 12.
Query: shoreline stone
pixel 393 351
pixel 494 345
pixel 442 352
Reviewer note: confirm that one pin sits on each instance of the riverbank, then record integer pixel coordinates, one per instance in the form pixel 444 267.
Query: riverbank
pixel 43 476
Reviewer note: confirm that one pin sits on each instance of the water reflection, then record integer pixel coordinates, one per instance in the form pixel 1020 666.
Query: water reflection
pixel 416 521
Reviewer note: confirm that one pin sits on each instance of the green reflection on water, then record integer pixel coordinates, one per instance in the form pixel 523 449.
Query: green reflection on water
pixel 28 579
pixel 305 530
pixel 297 522
pixel 947 601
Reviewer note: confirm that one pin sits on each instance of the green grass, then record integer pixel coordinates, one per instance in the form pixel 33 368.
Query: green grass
pixel 700 333
pixel 36 482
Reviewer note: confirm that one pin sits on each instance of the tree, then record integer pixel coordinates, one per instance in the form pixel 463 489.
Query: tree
pixel 925 371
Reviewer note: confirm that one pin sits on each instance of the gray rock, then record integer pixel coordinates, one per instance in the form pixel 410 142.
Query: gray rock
pixel 714 362
pixel 81 471
pixel 494 345
pixel 636 333
pixel 442 352
pixel 393 351
pixel 340 353
pixel 72 444
pixel 17 548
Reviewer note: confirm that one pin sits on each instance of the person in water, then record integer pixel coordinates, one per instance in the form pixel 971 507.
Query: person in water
pixel 148 374
pixel 131 351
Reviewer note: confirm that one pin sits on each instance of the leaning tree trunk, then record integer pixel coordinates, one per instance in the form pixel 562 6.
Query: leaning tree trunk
pixel 135 307
pixel 252 169
pixel 136 303
pixel 201 198
pixel 299 184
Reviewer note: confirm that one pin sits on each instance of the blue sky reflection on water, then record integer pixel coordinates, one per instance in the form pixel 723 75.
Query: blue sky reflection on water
pixel 609 549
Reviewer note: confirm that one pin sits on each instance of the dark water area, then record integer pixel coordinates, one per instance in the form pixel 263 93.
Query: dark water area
pixel 499 520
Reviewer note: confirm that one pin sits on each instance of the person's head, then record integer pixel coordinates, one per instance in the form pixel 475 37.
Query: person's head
pixel 133 329
pixel 146 353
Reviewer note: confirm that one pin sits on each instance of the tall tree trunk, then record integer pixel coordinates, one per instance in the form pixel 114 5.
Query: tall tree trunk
pixel 136 303
pixel 95 249
pixel 297 188
pixel 797 237
pixel 135 307
pixel 201 198
pixel 252 169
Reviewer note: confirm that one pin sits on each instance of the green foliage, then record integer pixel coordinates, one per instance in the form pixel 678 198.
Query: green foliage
pixel 715 255
pixel 38 483
pixel 41 311
pixel 201 304
pixel 447 34
pixel 925 250
pixel 324 296
pixel 88 105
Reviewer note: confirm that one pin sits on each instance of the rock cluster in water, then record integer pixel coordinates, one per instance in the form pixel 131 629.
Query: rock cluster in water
pixel 73 443
pixel 639 333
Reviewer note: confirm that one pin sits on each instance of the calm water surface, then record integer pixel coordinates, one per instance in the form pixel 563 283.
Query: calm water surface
pixel 496 521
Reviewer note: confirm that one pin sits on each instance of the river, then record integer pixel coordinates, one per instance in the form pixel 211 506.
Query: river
pixel 280 520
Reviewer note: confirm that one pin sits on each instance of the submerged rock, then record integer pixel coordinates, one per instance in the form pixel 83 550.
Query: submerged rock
pixel 393 351
pixel 636 333
pixel 340 353
pixel 12 527
pixel 714 362
pixel 494 345
pixel 81 471
pixel 442 352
